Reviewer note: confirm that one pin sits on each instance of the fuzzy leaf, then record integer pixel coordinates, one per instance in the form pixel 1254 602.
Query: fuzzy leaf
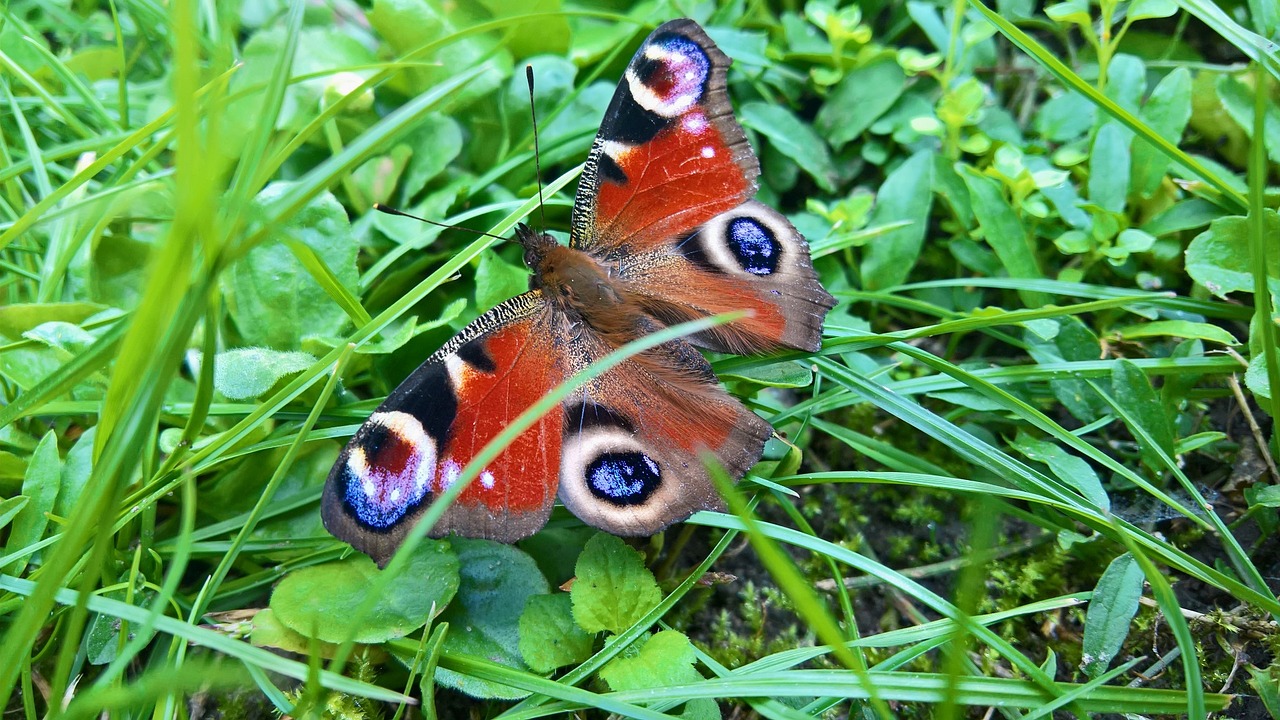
pixel 246 373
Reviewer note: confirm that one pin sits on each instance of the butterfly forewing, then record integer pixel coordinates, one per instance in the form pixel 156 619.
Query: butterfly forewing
pixel 415 445
pixel 669 155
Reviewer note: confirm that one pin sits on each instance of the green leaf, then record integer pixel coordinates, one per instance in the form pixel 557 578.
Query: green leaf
pixel 1149 9
pixel 1003 230
pixel 1065 117
pixel 793 138
pixel 102 641
pixel 1177 328
pixel 376 179
pixel 864 94
pixel 498 280
pixel 788 374
pixel 1109 167
pixel 1114 603
pixel 407 25
pixel 484 620
pixel 1133 392
pixel 10 508
pixel 435 143
pixel 1237 100
pixel 1256 377
pixel 663 660
pixel 1218 258
pixel 613 588
pixel 268 631
pixel 41 484
pixel 1266 683
pixel 904 196
pixel 246 373
pixel 549 638
pixel 1167 112
pixel 1068 468
pixel 18 318
pixel 321 600
pixel 76 470
pixel 273 300
pixel 1072 11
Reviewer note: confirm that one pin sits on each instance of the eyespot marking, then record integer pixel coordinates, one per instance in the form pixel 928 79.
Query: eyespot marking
pixel 670 76
pixel 623 478
pixel 389 472
pixel 753 246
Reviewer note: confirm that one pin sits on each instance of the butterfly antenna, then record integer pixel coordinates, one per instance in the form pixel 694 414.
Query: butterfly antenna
pixel 392 211
pixel 537 156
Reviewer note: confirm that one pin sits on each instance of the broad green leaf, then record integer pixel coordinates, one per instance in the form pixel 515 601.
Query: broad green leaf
pixel 498 280
pixel 1114 602
pixel 435 143
pixel 1177 328
pixel 549 638
pixel 408 25
pixel 268 631
pixel 1133 392
pixel 1003 231
pixel 792 138
pixel 664 659
pixel 779 374
pixel 1070 469
pixel 613 588
pixel 273 300
pixel 1189 214
pixel 1237 99
pixel 1075 342
pixel 859 99
pixel 905 196
pixel 484 619
pixel 1266 684
pixel 1167 112
pixel 321 600
pixel 41 485
pixel 1109 165
pixel 246 373
pixel 1256 377
pixel 377 178
pixel 1065 117
pixel 1218 258
pixel 1072 11
pixel 1149 9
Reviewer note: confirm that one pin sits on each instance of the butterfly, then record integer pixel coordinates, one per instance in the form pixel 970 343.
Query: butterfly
pixel 664 229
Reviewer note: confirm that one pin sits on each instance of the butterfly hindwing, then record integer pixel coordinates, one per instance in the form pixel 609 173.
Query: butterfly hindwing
pixel 669 155
pixel 635 439
pixel 418 441
pixel 748 258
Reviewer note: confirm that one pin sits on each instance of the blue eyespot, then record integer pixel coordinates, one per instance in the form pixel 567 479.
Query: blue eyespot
pixel 623 478
pixel 754 246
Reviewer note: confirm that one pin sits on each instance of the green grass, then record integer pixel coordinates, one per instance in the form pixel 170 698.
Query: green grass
pixel 1031 468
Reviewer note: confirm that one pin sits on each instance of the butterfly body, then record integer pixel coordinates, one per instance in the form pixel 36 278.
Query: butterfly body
pixel 664 230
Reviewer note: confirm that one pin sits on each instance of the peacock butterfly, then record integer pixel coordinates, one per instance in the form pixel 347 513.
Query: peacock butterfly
pixel 664 230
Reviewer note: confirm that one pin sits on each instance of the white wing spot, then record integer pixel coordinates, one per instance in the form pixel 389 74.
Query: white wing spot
pixel 708 152
pixel 487 480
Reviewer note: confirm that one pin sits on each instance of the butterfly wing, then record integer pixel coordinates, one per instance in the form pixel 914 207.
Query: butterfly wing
pixel 417 441
pixel 666 193
pixel 749 258
pixel 635 439
pixel 669 155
